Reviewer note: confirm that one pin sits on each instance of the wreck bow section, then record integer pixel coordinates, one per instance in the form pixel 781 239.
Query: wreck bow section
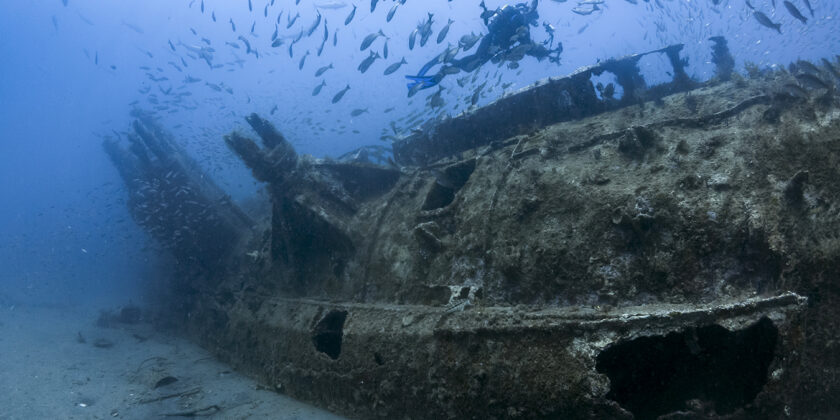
pixel 535 274
pixel 173 199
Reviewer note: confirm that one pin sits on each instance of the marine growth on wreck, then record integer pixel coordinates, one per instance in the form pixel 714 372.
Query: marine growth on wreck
pixel 479 210
pixel 591 257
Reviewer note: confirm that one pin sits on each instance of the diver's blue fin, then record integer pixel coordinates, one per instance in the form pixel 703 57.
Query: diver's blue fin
pixel 427 67
pixel 426 81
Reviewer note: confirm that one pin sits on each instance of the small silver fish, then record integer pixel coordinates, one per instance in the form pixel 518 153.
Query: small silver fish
pixel 349 17
pixel 321 47
pixel 765 21
pixel 322 70
pixel 442 34
pixel 314 25
pixel 247 44
pixel 426 30
pixel 357 112
pixel 318 88
pixel 366 63
pixel 412 38
pixel 394 67
pixel 369 39
pixel 795 12
pixel 340 94
pixel 290 22
pixel 303 60
pixel 391 12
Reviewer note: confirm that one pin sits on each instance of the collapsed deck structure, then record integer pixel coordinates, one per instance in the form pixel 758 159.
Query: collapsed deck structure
pixel 672 253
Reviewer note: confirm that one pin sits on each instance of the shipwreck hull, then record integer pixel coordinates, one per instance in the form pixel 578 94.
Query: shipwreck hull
pixel 510 280
pixel 675 257
pixel 401 361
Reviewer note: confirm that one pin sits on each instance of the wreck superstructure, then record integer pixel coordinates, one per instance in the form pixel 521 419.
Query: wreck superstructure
pixel 671 252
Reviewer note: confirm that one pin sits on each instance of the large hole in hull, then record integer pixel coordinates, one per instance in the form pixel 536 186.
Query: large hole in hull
pixel 656 69
pixel 707 368
pixel 328 333
pixel 607 86
pixel 447 183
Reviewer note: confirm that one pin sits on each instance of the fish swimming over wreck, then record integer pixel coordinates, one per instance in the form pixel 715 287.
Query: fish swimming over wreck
pixel 340 94
pixel 367 62
pixel 795 12
pixel 394 67
pixel 766 22
pixel 318 88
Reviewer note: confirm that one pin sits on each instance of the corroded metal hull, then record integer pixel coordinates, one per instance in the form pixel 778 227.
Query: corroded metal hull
pixel 414 361
pixel 676 257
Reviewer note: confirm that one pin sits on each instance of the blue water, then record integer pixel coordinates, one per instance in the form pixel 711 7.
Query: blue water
pixel 72 73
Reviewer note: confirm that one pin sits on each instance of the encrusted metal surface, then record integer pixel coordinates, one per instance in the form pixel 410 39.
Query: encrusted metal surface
pixel 676 258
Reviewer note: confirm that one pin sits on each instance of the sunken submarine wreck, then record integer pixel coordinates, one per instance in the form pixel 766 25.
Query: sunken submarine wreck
pixel 670 254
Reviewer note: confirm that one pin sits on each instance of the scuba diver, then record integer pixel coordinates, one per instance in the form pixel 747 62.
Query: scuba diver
pixel 549 30
pixel 508 39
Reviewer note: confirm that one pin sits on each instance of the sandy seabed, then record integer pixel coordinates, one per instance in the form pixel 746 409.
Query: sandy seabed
pixel 57 364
